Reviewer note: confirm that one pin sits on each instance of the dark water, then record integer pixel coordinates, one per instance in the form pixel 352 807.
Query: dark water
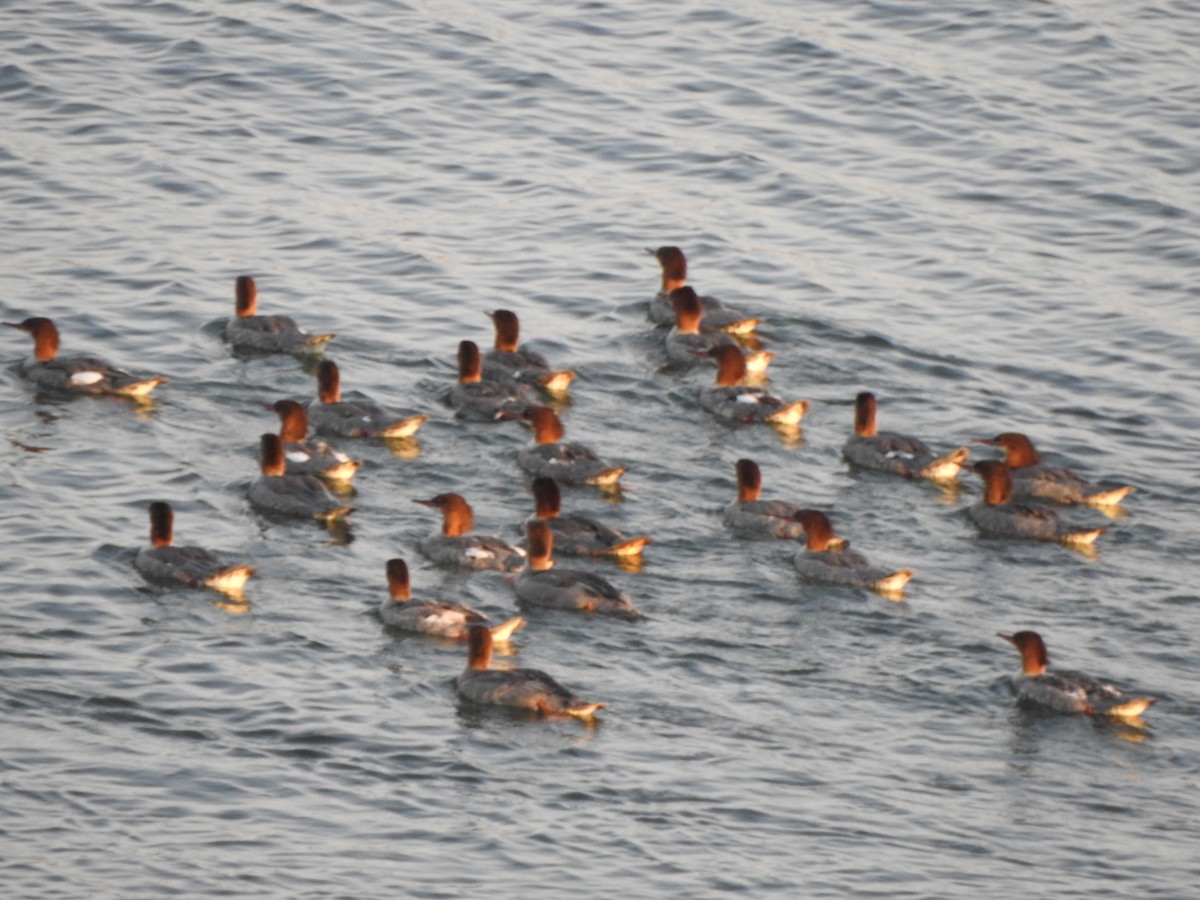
pixel 987 214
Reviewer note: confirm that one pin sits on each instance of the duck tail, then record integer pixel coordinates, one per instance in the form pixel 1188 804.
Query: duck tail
pixel 404 428
pixel 631 547
pixel 505 630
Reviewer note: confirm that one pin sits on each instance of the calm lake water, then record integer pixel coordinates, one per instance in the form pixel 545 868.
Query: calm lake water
pixel 986 214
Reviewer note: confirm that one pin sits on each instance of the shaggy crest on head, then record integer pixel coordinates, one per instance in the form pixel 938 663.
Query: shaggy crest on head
pixel 329 382
pixel 547 427
pixel 45 336
pixel 687 310
pixel 1032 649
pixel 470 363
pixel 864 414
pixel 749 480
pixel 271 460
pixel 819 533
pixel 162 524
pixel 997 481
pixel 457 516
pixel 399 588
pixel 293 421
pixel 508 330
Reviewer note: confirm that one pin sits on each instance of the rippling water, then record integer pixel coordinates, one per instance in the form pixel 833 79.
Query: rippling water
pixel 986 214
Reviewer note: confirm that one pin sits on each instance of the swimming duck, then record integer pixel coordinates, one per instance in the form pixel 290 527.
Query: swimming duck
pixel 1068 692
pixel 827 559
pixel 565 462
pixel 542 586
pixel 489 400
pixel 997 515
pixel 529 689
pixel 899 454
pixel 576 534
pixel 353 418
pixel 192 566
pixel 440 618
pixel 271 334
pixel 307 457
pixel 82 374
pixel 303 496
pixel 507 361
pixel 1058 485
pixel 685 343
pixel 735 403
pixel 773 518
pixel 716 316
pixel 455 546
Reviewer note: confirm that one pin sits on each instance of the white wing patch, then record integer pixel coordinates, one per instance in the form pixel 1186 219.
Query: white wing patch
pixel 82 379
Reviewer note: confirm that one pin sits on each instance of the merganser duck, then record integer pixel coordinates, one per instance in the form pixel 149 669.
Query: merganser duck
pixel 529 689
pixel 192 566
pixel 455 546
pixel 685 343
pixel 507 361
pixel 997 515
pixel 541 586
pixel 734 403
pixel 305 457
pixel 353 418
pixel 1058 485
pixel 565 462
pixel 81 374
pixel 271 334
pixel 827 559
pixel 576 534
pixel 303 496
pixel 773 518
pixel 489 400
pixel 1068 692
pixel 716 316
pixel 440 618
pixel 899 454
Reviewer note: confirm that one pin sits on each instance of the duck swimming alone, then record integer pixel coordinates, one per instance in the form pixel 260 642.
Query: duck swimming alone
pixel 885 451
pixel 576 534
pixel 270 334
pixel 715 315
pixel 79 374
pixel 827 559
pixel 735 403
pixel 475 398
pixel 1067 692
pixel 1058 485
pixel 302 496
pixel 440 618
pixel 539 585
pixel 567 463
pixel 455 546
pixel 353 418
pixel 507 361
pixel 686 344
pixel 998 516
pixel 307 457
pixel 529 689
pixel 191 566
pixel 772 518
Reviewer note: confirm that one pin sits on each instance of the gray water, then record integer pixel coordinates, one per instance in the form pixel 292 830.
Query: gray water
pixel 985 213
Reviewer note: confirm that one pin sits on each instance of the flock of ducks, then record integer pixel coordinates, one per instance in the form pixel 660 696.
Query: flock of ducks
pixel 509 382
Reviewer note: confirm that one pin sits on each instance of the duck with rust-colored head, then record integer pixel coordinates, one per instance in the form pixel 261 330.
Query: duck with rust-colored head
pixel 576 534
pixel 715 315
pixel 355 417
pixel 566 462
pixel 458 546
pixel 899 454
pixel 509 362
pixel 733 402
pixel 164 562
pixel 527 689
pixel 479 399
pixel 828 559
pixel 750 514
pixel 1066 692
pixel 76 374
pixel 306 456
pixel 1031 478
pixel 297 495
pixel 542 586
pixel 266 334
pixel 686 344
pixel 997 515
pixel 439 618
